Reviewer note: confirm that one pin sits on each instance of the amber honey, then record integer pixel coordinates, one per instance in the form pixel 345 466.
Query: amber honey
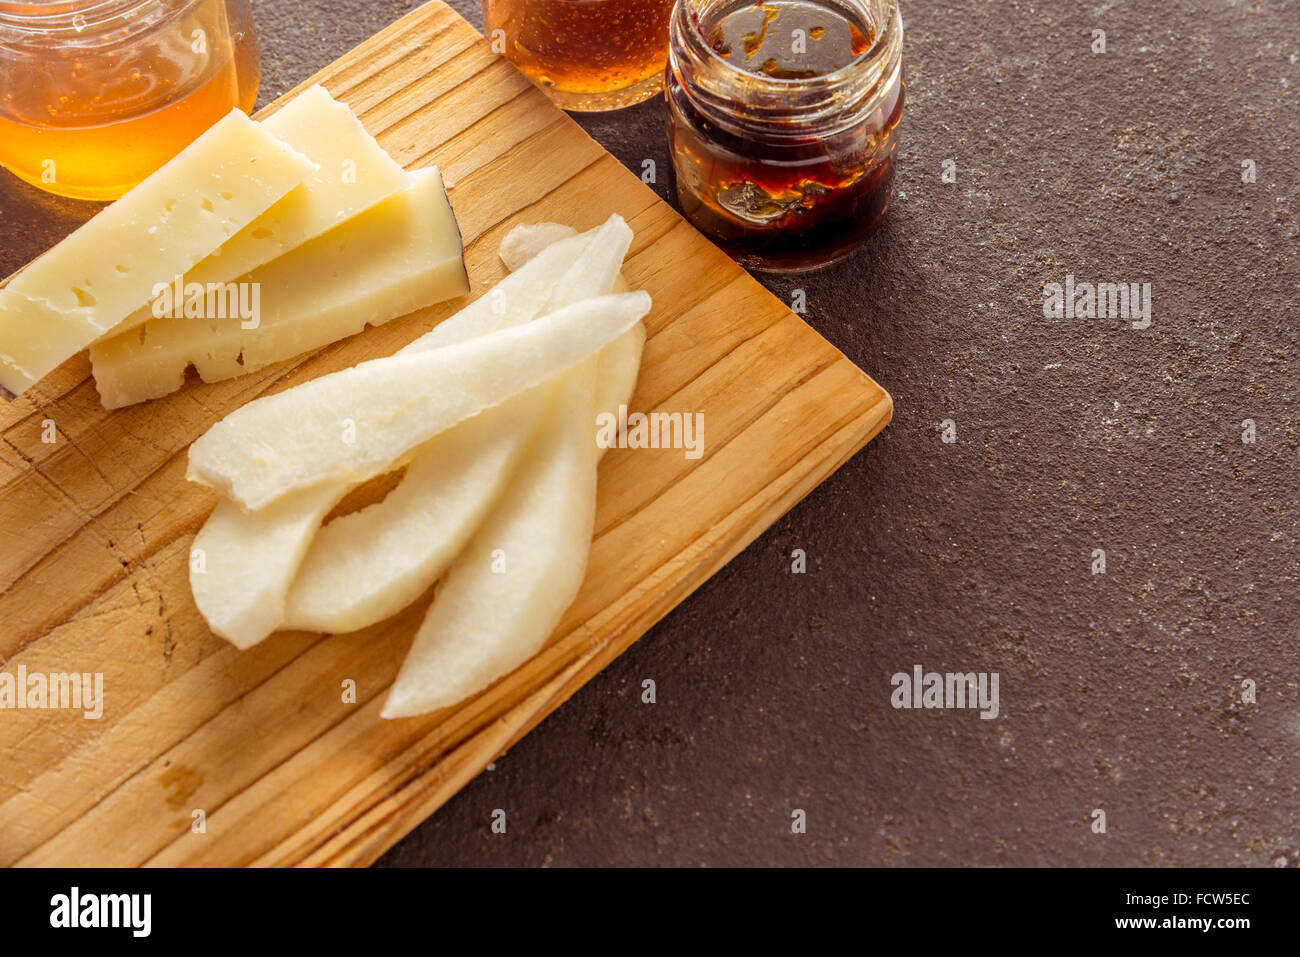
pixel 587 54
pixel 783 118
pixel 89 113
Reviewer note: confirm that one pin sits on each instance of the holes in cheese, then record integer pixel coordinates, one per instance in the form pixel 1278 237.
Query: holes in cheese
pixel 101 273
pixel 353 173
pixel 401 254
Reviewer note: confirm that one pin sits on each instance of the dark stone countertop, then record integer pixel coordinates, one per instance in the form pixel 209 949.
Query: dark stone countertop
pixel 1120 691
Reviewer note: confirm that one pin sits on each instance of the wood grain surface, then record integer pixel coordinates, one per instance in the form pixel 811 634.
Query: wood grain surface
pixel 95 528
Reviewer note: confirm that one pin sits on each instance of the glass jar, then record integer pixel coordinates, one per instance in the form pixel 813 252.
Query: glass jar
pixel 97 94
pixel 588 55
pixel 783 123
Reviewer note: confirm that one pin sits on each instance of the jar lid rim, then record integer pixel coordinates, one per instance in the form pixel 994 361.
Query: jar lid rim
pixel 58 17
pixel 778 82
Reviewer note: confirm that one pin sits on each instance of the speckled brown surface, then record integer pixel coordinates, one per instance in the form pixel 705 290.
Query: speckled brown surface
pixel 1119 691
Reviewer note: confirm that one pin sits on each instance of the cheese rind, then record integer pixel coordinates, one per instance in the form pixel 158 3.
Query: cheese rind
pixel 401 254
pixel 353 173
pixel 108 268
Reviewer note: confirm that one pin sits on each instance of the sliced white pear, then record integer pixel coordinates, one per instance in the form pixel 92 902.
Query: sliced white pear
pixel 355 424
pixel 364 567
pixel 242 562
pixel 370 564
pixel 620 361
pixel 505 594
pixel 524 242
pixel 564 273
pixel 263 570
pixel 616 375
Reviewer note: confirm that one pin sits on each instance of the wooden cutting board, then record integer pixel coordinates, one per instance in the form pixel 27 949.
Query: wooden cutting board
pixel 95 528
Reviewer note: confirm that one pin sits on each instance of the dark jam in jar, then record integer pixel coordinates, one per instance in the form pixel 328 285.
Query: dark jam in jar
pixel 783 120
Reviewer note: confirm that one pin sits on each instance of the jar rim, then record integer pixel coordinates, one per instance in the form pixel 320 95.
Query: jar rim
pixel 734 97
pixel 830 78
pixel 56 18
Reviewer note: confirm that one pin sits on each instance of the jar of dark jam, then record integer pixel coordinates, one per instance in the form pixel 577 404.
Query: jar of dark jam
pixel 783 122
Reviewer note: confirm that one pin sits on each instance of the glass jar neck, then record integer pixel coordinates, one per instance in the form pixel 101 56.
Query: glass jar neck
pixel 82 20
pixel 736 98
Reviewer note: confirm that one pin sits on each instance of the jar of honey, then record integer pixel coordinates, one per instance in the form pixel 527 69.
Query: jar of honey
pixel 588 55
pixel 97 94
pixel 783 122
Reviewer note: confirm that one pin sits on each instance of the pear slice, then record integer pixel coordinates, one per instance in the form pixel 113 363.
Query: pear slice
pixel 370 564
pixel 523 243
pixel 241 562
pixel 364 567
pixel 254 572
pixel 575 268
pixel 505 594
pixel 616 375
pixel 358 423
pixel 620 361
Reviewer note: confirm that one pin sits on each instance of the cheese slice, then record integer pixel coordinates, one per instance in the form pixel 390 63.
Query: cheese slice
pixel 401 254
pixel 353 174
pixel 108 268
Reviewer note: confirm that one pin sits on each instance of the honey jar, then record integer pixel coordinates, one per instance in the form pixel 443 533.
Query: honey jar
pixel 588 55
pixel 97 94
pixel 783 123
